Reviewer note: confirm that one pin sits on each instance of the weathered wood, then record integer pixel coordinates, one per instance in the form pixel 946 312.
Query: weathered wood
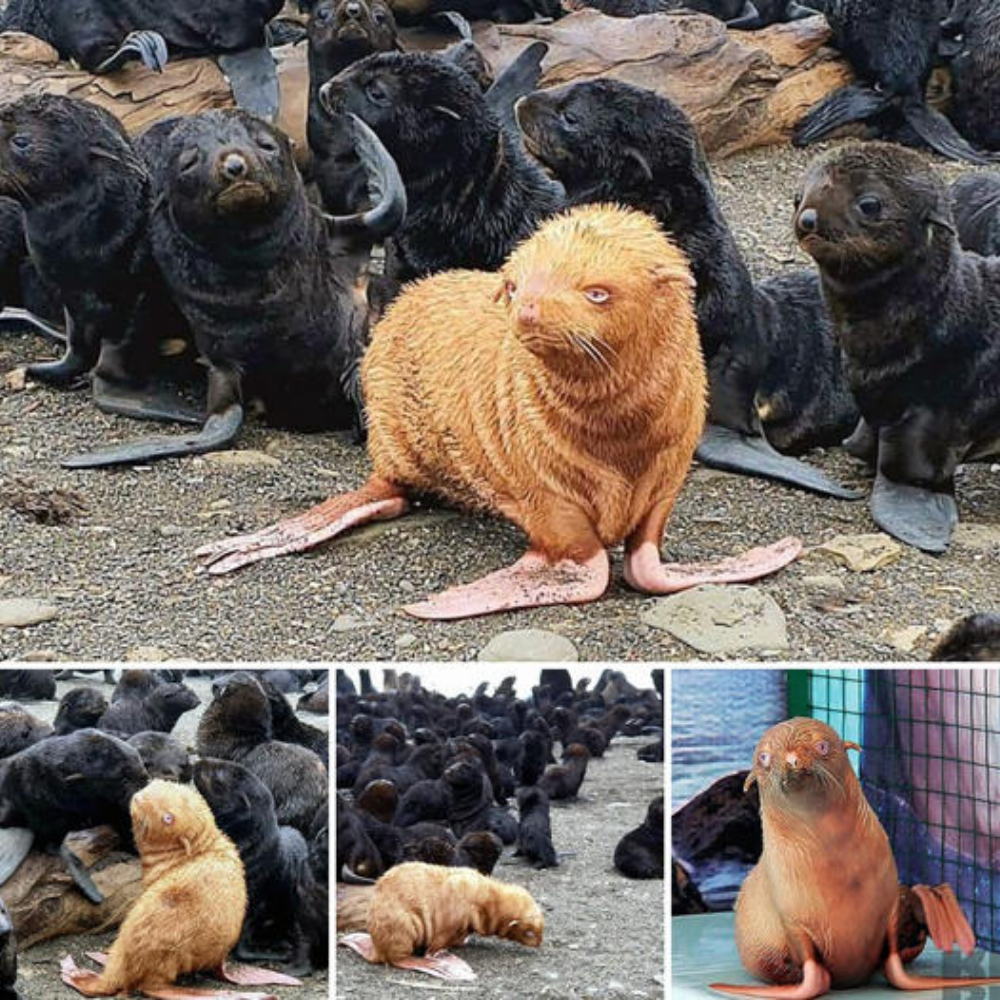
pixel 44 902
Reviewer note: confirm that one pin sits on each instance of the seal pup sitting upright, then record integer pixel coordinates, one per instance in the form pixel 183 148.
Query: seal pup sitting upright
pixel 566 393
pixel 918 320
pixel 823 907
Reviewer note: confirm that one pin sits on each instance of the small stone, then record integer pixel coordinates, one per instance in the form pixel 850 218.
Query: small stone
pixel 171 530
pixel 714 619
pixel 825 581
pixel 406 641
pixel 146 654
pixel 220 504
pixel 16 379
pixel 21 612
pixel 906 639
pixel 39 656
pixel 529 645
pixel 863 553
pixel 978 537
pixel 241 459
pixel 348 623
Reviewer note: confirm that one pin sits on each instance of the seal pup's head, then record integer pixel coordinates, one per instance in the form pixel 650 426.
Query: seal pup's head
pixel 242 804
pixel 868 210
pixel 801 763
pixel 344 31
pixel 170 820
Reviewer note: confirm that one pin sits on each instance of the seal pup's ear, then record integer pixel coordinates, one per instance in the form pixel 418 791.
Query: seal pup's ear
pixel 672 274
pixel 748 784
pixel 449 112
pixel 851 745
pixel 638 163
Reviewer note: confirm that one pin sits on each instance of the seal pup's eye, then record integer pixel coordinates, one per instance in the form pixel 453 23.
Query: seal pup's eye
pixel 380 17
pixel 597 295
pixel 266 142
pixel 822 748
pixel 376 92
pixel 187 160
pixel 764 758
pixel 569 119
pixel 168 818
pixel 870 206
pixel 20 142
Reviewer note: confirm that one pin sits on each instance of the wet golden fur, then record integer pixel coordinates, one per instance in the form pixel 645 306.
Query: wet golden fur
pixel 416 906
pixel 194 895
pixel 515 394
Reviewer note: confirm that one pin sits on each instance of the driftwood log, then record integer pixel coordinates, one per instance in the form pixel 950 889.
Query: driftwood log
pixel 45 903
pixel 742 89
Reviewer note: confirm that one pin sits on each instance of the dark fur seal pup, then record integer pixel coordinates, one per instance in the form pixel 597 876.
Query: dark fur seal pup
pixel 19 729
pixel 480 849
pixel 745 15
pixel 85 195
pixel 280 882
pixel 28 685
pixel 918 320
pixel 286 725
pixel 472 195
pixel 534 830
pixel 639 854
pixel 973 639
pixel 975 204
pixel 103 35
pixel 975 73
pixel 471 795
pixel 163 756
pixel 318 701
pixel 80 708
pixel 609 141
pixel 158 711
pixel 272 288
pixel 891 46
pixel 135 684
pixel 823 908
pixel 563 781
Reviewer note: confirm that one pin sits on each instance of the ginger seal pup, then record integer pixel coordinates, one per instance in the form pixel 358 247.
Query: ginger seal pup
pixel 566 393
pixel 191 909
pixel 418 906
pixel 824 907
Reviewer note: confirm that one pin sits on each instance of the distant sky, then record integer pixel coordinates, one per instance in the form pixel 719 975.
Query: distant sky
pixel 463 678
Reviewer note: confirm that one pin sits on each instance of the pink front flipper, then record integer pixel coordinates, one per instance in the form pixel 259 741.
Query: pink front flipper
pixel 644 570
pixel 441 964
pixel 532 582
pixel 196 993
pixel 815 982
pixel 74 976
pixel 248 975
pixel 361 943
pixel 296 534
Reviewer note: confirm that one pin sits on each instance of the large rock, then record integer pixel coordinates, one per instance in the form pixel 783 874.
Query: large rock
pixel 742 89
pixel 723 821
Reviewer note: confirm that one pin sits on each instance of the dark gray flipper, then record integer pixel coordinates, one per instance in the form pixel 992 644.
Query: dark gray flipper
pixel 856 102
pixel 722 448
pixel 939 133
pixel 150 402
pixel 917 516
pixel 452 19
pixel 80 875
pixel 515 81
pixel 748 19
pixel 15 846
pixel 220 430
pixel 253 77
pixel 149 47
pixel 796 12
pixel 22 317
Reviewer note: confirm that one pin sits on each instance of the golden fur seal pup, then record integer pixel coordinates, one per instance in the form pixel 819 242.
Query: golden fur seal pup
pixel 415 906
pixel 192 906
pixel 566 393
pixel 823 907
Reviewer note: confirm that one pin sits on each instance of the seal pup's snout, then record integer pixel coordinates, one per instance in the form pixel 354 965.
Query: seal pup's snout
pixel 234 165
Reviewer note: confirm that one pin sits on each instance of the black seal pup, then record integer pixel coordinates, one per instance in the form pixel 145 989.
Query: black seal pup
pixel 80 708
pixel 272 288
pixel 534 828
pixel 157 712
pixel 891 46
pixel 85 196
pixel 563 781
pixel 918 320
pixel 28 685
pixel 163 756
pixel 103 35
pixel 472 194
pixel 639 854
pixel 975 638
pixel 280 882
pixel 745 15
pixel 975 72
pixel 975 203
pixel 19 728
pixel 608 141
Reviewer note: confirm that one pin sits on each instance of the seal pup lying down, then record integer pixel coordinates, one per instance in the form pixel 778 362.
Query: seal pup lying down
pixel 566 393
pixel 415 906
pixel 824 908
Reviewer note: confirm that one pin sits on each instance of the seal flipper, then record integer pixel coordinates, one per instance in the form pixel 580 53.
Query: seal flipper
pixel 915 515
pixel 247 975
pixel 726 449
pixel 815 982
pixel 80 356
pixel 253 78
pixel 78 871
pixel 146 403
pixel 939 133
pixel 15 845
pixel 796 12
pixel 856 102
pixel 220 430
pixel 944 918
pixel 442 964
pixel 516 80
pixel 748 19
pixel 15 315
pixel 149 47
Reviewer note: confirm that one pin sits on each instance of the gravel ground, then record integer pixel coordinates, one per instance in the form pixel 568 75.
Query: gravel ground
pixel 122 577
pixel 603 932
pixel 38 968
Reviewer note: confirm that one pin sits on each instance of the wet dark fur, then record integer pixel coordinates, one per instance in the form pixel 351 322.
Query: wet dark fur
pixel 72 782
pixel 975 203
pixel 89 31
pixel 158 711
pixel 918 318
pixel 163 755
pixel 29 685
pixel 639 854
pixel 562 781
pixel 975 76
pixel 534 832
pixel 80 708
pixel 973 639
pixel 472 194
pixel 471 795
pixel 628 145
pixel 286 725
pixel 280 881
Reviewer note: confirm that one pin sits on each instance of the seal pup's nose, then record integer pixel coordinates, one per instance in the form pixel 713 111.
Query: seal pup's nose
pixel 353 9
pixel 234 165
pixel 529 314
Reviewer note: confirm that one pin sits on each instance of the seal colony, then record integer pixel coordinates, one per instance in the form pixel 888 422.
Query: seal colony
pixel 823 908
